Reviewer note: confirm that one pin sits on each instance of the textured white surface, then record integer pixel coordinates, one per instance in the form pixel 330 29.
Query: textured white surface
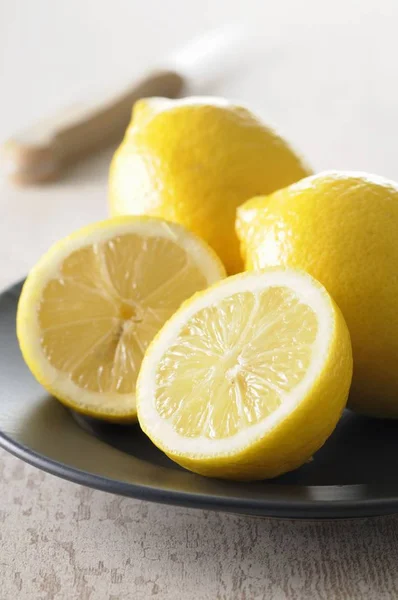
pixel 59 540
pixel 327 76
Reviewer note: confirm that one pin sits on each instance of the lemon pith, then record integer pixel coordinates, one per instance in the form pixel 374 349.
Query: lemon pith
pixel 248 378
pixel 92 304
pixel 342 228
pixel 193 161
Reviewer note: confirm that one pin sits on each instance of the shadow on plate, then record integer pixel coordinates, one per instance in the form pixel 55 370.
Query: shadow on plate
pixel 360 451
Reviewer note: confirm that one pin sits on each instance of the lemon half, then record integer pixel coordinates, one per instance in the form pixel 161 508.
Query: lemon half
pixel 249 378
pixel 92 304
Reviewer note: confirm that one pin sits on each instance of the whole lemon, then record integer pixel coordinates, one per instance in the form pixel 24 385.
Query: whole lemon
pixel 343 229
pixel 193 161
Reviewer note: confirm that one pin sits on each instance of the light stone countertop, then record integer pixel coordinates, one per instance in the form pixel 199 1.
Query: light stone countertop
pixel 325 77
pixel 63 541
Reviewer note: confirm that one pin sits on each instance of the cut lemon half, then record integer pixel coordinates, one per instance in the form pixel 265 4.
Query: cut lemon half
pixel 92 304
pixel 248 378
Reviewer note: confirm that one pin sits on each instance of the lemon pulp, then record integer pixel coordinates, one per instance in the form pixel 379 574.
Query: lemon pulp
pixel 232 366
pixel 99 314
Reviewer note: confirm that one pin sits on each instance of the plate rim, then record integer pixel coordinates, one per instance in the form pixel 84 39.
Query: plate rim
pixel 380 499
pixel 282 508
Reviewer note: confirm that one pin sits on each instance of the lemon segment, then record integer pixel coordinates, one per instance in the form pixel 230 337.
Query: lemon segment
pixel 90 307
pixel 248 378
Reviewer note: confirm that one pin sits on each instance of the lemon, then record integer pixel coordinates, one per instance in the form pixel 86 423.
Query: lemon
pixel 193 161
pixel 248 378
pixel 343 229
pixel 92 304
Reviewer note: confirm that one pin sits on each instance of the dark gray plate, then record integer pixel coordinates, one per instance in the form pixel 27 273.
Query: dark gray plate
pixel 353 475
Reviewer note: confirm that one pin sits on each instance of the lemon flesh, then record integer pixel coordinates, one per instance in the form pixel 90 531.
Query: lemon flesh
pixel 248 378
pixel 92 305
pixel 194 161
pixel 342 228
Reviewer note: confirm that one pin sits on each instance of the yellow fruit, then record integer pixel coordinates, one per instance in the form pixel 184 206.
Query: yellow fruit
pixel 193 161
pixel 92 304
pixel 248 378
pixel 343 229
